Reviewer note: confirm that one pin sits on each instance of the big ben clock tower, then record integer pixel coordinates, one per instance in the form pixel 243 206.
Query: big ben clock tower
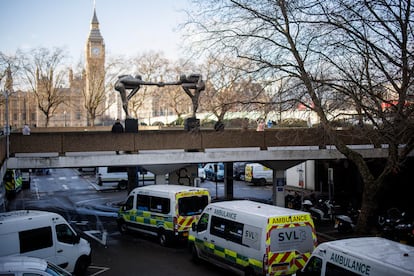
pixel 95 70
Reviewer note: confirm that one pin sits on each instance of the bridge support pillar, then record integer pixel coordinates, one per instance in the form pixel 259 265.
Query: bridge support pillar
pixel 228 180
pixel 279 184
pixel 160 179
pixel 132 178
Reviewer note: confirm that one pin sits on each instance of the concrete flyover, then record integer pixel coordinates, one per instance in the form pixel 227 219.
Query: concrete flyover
pixel 282 147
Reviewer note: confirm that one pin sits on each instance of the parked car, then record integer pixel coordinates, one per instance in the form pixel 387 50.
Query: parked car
pixel 238 170
pixel 23 265
pixel 26 178
pixel 214 171
pixel 201 173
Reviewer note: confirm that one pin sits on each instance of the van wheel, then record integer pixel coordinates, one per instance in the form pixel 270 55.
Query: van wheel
pixel 262 182
pixel 122 185
pixel 81 266
pixel 194 254
pixel 162 238
pixel 122 227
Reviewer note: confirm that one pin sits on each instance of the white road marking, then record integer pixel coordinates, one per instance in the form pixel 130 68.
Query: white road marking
pixel 36 190
pixel 100 268
pixel 65 187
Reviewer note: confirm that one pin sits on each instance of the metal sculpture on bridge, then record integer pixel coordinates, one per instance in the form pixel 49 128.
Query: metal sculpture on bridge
pixel 126 82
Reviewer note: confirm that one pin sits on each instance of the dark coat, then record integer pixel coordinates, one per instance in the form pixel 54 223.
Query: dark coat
pixel 117 127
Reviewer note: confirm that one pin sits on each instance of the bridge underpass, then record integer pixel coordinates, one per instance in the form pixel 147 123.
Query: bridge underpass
pixel 165 151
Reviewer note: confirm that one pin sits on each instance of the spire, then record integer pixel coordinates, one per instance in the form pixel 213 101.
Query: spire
pixel 95 34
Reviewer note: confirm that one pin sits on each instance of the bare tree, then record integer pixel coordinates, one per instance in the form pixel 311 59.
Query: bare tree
pixel 151 66
pixel 43 72
pixel 101 95
pixel 296 39
pixel 229 88
pixel 95 95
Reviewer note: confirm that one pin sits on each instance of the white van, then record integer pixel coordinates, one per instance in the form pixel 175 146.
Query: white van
pixel 253 238
pixel 28 266
pixel 118 177
pixel 43 235
pixel 258 174
pixel 165 211
pixel 361 256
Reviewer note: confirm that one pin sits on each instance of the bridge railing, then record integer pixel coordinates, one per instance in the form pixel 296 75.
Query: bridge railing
pixel 87 141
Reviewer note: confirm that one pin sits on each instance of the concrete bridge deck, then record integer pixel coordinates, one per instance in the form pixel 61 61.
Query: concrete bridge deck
pixel 54 149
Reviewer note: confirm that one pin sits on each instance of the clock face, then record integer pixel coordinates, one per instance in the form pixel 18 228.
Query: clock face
pixel 96 51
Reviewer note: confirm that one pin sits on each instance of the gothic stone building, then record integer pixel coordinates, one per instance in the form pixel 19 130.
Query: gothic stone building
pixel 23 107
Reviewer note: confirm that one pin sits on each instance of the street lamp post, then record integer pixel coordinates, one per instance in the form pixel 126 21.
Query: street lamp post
pixel 7 127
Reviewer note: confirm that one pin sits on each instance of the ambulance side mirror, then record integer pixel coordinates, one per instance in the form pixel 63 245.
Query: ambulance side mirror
pixel 194 227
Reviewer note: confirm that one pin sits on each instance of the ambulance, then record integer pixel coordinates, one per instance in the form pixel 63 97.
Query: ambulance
pixel 164 211
pixel 360 256
pixel 13 182
pixel 253 238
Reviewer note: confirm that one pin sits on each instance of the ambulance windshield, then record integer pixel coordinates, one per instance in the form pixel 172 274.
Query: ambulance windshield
pixel 193 205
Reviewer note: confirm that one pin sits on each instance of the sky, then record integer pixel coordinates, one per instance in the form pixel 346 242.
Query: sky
pixel 129 27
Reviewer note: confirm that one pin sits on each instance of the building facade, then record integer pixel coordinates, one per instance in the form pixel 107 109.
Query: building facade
pixel 73 111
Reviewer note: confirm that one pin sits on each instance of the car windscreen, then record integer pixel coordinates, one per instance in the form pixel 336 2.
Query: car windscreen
pixel 192 205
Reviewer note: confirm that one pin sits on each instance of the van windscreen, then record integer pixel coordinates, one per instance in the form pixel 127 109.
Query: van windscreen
pixel 192 205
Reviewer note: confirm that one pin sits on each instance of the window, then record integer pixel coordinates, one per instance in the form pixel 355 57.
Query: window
pixel 35 239
pixel 143 202
pixel 65 234
pixel 190 206
pixel 314 267
pixel 227 229
pixel 202 223
pixel 129 204
pixel 160 205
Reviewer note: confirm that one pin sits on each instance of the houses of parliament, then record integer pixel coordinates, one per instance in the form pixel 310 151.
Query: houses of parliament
pixel 23 106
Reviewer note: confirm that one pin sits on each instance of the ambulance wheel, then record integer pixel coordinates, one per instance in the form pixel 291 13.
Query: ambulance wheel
pixel 122 227
pixel 162 238
pixel 194 254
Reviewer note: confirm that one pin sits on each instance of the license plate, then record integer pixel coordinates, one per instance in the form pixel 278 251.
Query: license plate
pixel 279 268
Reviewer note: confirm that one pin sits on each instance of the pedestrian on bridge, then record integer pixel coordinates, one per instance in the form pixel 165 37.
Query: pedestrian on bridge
pixel 26 130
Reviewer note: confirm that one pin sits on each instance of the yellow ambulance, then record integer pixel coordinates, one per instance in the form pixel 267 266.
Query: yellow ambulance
pixel 13 182
pixel 253 238
pixel 165 211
